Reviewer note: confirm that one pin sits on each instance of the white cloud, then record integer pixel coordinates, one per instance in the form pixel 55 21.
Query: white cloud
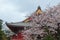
pixel 10 12
pixel 13 17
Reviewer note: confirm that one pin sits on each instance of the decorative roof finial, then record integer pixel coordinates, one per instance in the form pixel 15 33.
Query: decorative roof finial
pixel 38 11
pixel 39 8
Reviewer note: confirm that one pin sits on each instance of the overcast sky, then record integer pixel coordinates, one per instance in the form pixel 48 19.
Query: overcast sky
pixel 16 10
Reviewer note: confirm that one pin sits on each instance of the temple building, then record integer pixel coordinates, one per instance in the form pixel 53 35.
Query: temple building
pixel 18 27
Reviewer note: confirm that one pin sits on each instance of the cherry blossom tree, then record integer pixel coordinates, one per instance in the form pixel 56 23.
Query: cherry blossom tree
pixel 47 19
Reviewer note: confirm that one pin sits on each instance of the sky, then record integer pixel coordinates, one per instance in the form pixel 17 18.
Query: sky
pixel 18 10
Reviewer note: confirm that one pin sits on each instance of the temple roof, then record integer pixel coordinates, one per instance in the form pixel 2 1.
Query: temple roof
pixel 25 23
pixel 15 27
